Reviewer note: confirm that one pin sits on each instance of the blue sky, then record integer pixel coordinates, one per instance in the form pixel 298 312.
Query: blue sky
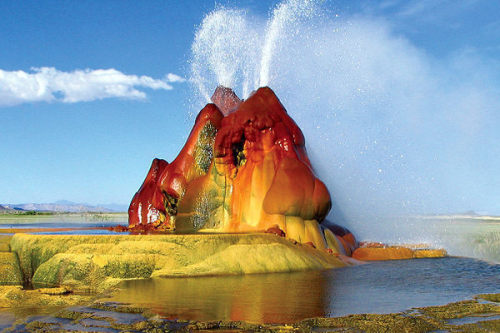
pixel 86 99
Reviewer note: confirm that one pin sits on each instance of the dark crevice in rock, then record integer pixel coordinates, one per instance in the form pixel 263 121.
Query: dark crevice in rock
pixel 239 157
pixel 170 204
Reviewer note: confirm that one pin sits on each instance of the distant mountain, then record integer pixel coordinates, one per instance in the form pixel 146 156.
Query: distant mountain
pixel 116 207
pixel 6 209
pixel 113 207
pixel 64 206
pixel 65 202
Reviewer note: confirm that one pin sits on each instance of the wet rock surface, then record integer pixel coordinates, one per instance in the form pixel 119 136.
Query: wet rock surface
pixel 372 251
pixel 17 298
pixel 479 315
pixel 97 263
pixel 10 274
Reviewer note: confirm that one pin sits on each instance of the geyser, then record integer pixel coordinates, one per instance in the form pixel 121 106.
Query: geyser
pixel 388 126
pixel 244 168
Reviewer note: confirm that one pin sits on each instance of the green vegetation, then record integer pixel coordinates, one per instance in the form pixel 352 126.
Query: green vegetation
pixel 25 212
pixel 35 212
pixel 55 217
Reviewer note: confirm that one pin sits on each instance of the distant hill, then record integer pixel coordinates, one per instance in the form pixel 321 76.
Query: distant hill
pixel 470 213
pixel 116 207
pixel 64 206
pixel 6 209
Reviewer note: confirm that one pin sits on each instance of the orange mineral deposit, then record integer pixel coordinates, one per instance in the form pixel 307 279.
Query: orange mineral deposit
pixel 244 168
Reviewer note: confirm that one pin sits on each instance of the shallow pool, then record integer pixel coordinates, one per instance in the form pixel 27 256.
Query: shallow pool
pixel 67 228
pixel 379 287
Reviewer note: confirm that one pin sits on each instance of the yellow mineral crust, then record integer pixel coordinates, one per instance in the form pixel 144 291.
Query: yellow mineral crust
pixel 94 263
pixel 429 253
pixel 381 252
pixel 16 297
pixel 9 269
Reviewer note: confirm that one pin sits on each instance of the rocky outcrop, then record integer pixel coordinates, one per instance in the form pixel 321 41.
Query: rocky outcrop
pixel 244 168
pixel 90 263
pixel 379 251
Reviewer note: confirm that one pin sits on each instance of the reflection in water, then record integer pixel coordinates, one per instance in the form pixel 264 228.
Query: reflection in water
pixel 61 224
pixel 6 320
pixel 381 287
pixel 267 298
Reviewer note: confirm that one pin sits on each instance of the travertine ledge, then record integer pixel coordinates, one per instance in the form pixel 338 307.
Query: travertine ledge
pixel 94 263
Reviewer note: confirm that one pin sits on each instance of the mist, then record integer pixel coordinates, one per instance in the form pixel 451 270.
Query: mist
pixel 393 131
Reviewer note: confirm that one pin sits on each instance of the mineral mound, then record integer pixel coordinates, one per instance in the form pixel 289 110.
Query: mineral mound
pixel 244 168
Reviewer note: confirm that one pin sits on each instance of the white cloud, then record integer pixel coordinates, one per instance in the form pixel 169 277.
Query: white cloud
pixel 47 84
pixel 174 78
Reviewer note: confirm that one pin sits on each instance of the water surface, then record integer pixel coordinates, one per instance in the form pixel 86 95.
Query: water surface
pixel 58 224
pixel 380 287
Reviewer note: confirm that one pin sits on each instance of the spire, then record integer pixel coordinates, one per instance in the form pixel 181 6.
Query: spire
pixel 225 99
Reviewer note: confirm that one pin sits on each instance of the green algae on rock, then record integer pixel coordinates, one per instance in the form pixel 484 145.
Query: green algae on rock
pixel 16 297
pixel 393 322
pixel 4 243
pixel 489 297
pixel 460 309
pixel 10 273
pixel 95 263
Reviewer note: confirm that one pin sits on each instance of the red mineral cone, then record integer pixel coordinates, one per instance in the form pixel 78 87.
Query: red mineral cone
pixel 147 204
pixel 243 168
